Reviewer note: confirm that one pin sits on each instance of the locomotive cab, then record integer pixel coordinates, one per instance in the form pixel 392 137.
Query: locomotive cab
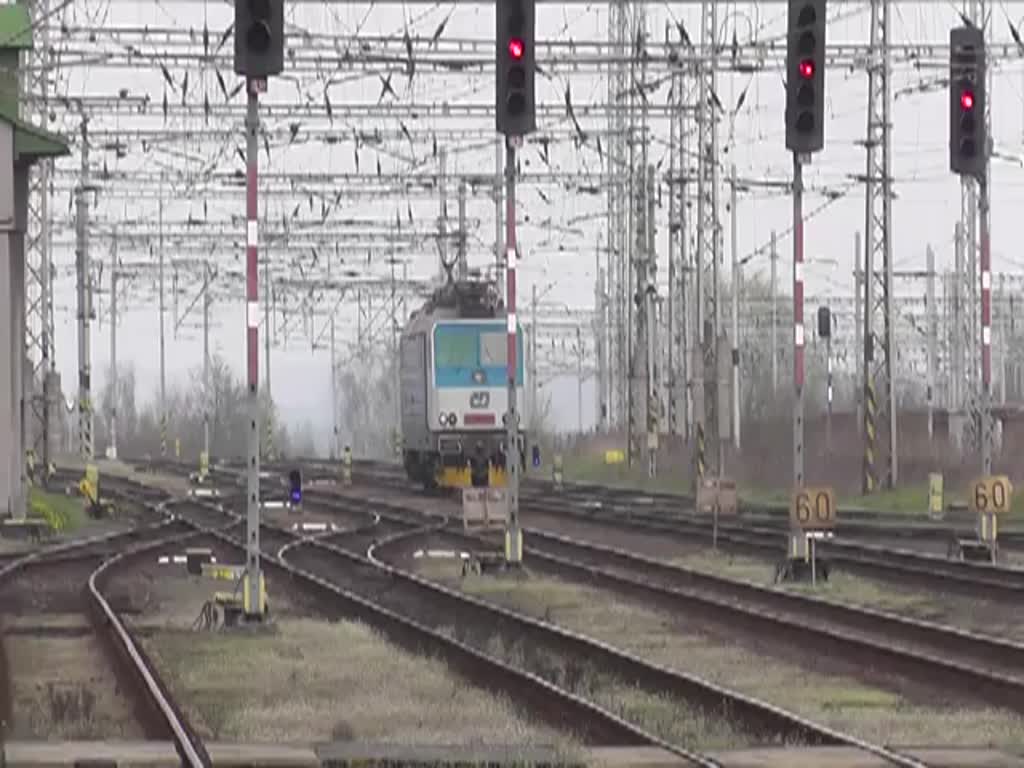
pixel 454 369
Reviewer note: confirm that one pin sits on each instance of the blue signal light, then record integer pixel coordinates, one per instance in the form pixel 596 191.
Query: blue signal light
pixel 296 496
pixel 536 456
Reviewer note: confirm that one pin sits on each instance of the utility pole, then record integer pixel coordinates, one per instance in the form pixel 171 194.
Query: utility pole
pixel 498 209
pixel 675 230
pixel 463 268
pixel 513 536
pixel 650 263
pixel 775 317
pixel 395 369
pixel 1002 315
pixel 269 440
pixel 986 325
pixel 685 269
pixel 798 323
pixel 534 331
pixel 254 87
pixel 600 341
pixel 442 219
pixel 335 447
pixel 113 349
pixel 206 359
pixel 579 382
pixel 858 331
pixel 163 341
pixel 84 270
pixel 959 349
pixel 735 322
pixel 933 330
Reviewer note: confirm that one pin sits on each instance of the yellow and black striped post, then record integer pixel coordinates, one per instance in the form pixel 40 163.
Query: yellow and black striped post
pixel 700 460
pixel 85 428
pixel 268 448
pixel 163 435
pixel 870 482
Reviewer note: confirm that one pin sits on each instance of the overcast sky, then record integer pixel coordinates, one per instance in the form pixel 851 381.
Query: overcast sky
pixel 924 213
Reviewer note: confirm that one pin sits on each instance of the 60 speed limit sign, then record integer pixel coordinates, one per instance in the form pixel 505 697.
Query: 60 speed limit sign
pixel 991 494
pixel 813 508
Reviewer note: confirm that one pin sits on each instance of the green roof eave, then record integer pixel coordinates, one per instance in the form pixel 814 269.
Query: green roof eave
pixel 31 143
pixel 15 27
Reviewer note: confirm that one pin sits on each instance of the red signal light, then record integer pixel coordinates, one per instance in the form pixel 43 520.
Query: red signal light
pixel 966 100
pixel 807 69
pixel 516 48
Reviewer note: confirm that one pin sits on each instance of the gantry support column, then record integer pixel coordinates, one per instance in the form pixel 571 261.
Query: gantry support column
pixel 84 272
pixel 36 79
pixel 707 446
pixel 880 432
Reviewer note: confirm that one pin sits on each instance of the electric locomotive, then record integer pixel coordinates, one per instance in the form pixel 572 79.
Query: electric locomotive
pixel 454 388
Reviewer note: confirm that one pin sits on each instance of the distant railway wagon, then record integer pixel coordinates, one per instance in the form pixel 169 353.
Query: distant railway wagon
pixel 454 388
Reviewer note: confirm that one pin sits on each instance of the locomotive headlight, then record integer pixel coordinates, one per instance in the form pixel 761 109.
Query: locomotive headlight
pixel 443 419
pixel 452 419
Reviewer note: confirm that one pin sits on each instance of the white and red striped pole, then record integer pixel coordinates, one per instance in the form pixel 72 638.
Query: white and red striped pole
pixel 798 323
pixel 513 535
pixel 254 87
pixel 986 330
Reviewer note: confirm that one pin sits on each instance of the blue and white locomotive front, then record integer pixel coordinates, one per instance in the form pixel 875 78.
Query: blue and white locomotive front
pixel 468 397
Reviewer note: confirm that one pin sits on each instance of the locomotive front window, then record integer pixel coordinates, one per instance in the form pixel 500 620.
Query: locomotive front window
pixel 493 349
pixel 456 350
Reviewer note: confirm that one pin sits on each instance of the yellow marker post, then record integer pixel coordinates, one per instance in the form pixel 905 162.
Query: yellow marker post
pixel 935 509
pixel 204 465
pixel 556 471
pixel 614 457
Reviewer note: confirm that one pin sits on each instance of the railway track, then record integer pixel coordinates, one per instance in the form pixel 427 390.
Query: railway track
pixel 926 652
pixel 667 507
pixel 87 564
pixel 338 556
pixel 908 566
pixel 559 707
pixel 360 597
pixel 929 571
pixel 374 576
pixel 874 561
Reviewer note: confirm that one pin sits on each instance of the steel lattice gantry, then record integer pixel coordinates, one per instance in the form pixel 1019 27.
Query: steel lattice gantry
pixel 705 368
pixel 42 389
pixel 880 432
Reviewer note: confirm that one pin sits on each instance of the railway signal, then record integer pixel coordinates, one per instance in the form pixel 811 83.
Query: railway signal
pixel 259 38
pixel 259 54
pixel 295 484
pixel 968 140
pixel 805 76
pixel 515 66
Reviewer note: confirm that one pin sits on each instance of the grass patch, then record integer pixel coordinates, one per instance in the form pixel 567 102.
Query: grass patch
pixel 841 586
pixel 592 469
pixel 813 691
pixel 64 514
pixel 318 681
